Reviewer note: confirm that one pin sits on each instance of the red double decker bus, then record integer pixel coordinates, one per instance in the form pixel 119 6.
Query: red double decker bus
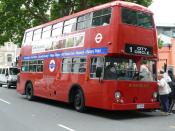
pixel 93 59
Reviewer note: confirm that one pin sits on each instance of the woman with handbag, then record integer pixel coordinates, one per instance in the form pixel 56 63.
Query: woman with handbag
pixel 164 91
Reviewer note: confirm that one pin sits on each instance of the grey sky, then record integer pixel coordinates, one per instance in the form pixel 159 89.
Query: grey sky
pixel 164 11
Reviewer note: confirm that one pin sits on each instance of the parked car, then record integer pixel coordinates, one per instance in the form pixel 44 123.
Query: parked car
pixel 8 76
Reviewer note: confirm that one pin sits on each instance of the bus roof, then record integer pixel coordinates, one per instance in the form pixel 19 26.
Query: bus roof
pixel 110 4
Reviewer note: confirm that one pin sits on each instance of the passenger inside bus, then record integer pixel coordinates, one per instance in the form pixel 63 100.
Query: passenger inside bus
pixel 145 73
pixel 119 68
pixel 116 68
pixel 110 71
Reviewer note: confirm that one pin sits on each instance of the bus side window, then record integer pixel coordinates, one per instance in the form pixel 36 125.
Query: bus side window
pixel 69 26
pixel 101 17
pixel 79 65
pixel 25 66
pixel 57 29
pixel 84 21
pixel 28 37
pixel 66 65
pixel 40 66
pixel 96 62
pixel 32 65
pixel 46 32
pixel 37 34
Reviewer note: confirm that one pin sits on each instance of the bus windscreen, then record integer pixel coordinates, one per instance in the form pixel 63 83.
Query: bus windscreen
pixel 137 18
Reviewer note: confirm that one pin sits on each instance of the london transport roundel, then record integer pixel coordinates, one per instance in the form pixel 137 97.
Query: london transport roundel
pixel 98 38
pixel 52 65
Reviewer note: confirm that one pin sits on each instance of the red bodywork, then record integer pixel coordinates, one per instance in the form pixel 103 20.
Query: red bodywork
pixel 56 85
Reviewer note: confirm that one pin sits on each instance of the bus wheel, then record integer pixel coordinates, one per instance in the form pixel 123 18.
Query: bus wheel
pixel 29 91
pixel 79 103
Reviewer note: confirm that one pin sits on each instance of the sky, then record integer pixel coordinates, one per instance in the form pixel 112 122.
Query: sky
pixel 164 11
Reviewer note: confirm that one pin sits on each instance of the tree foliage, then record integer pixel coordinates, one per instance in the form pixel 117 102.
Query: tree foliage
pixel 18 15
pixel 160 43
pixel 141 2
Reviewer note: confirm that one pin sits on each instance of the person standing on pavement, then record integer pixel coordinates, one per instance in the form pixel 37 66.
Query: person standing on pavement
pixel 164 91
pixel 172 94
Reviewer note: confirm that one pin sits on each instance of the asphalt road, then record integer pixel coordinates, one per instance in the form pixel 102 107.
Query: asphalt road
pixel 19 114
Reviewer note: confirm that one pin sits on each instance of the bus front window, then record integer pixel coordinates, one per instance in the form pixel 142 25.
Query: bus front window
pixel 119 69
pixel 127 69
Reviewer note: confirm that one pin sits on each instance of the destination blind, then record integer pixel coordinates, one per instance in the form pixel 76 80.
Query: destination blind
pixel 138 50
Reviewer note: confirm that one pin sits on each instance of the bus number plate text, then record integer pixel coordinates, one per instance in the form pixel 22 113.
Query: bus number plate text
pixel 140 106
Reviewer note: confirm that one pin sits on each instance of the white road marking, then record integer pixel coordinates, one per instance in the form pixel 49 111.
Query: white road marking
pixel 172 127
pixel 65 127
pixel 4 101
pixel 33 115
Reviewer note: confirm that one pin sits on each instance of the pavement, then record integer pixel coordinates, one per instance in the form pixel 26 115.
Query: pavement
pixel 173 109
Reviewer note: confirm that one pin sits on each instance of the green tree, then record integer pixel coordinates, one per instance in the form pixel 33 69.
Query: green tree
pixel 18 15
pixel 141 2
pixel 60 8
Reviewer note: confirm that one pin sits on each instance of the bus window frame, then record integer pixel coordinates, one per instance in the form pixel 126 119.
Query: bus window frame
pixel 84 20
pixel 31 36
pixel 102 75
pixel 38 34
pixel 68 23
pixel 60 26
pixel 71 70
pixel 101 16
pixel 44 31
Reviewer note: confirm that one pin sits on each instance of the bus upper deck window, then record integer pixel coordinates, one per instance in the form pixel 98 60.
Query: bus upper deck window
pixel 137 18
pixel 101 17
pixel 37 35
pixel 57 29
pixel 70 25
pixel 84 21
pixel 46 32
pixel 28 37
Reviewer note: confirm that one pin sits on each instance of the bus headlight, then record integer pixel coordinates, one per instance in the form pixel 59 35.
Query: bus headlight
pixel 117 95
pixel 155 94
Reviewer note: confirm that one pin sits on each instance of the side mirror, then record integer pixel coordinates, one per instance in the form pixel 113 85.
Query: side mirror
pixel 98 72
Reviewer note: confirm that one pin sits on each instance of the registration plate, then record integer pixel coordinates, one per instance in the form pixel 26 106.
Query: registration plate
pixel 140 106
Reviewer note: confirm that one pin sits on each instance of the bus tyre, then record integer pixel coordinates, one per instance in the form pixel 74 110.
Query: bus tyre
pixel 29 91
pixel 79 103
